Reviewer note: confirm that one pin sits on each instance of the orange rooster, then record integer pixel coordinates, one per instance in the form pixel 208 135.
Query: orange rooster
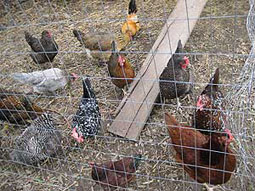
pixel 207 159
pixel 132 25
pixel 121 71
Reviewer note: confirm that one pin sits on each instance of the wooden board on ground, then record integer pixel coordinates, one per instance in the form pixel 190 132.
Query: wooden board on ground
pixel 134 110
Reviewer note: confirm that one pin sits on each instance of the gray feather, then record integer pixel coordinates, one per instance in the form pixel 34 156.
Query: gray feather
pixel 43 81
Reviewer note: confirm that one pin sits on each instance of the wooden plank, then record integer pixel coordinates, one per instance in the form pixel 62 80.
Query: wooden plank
pixel 135 109
pixel 194 11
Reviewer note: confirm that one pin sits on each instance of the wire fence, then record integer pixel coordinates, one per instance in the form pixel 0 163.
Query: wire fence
pixel 42 120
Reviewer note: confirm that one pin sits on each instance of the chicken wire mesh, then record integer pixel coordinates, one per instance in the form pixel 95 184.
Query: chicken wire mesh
pixel 219 40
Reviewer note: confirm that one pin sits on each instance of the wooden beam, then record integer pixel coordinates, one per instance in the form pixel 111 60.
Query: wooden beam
pixel 135 109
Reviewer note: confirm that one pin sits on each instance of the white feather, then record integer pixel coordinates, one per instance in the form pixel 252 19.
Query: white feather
pixel 43 81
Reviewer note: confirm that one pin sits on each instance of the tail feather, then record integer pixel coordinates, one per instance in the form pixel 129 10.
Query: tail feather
pixel 177 54
pixel 87 89
pixel 114 47
pixel 20 77
pixel 179 47
pixel 28 37
pixel 171 121
pixel 132 7
pixel 173 127
pixel 213 84
pixel 137 158
pixel 78 34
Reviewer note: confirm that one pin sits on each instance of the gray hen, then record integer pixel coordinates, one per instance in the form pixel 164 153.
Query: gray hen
pixel 38 142
pixel 46 81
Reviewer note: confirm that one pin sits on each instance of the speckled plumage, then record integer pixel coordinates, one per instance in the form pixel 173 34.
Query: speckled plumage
pixel 87 120
pixel 210 114
pixel 175 72
pixel 38 142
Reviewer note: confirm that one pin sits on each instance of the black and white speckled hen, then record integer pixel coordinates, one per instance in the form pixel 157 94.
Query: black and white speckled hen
pixel 87 120
pixel 176 71
pixel 38 142
pixel 210 112
pixel 45 49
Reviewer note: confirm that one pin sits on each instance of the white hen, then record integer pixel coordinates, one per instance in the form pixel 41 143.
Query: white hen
pixel 46 81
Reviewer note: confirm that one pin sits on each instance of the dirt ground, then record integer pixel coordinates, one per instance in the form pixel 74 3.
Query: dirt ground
pixel 219 39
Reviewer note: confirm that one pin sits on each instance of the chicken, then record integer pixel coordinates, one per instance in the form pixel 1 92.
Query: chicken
pixel 120 70
pixel 46 81
pixel 100 42
pixel 210 115
pixel 45 49
pixel 111 175
pixel 132 25
pixel 199 152
pixel 38 142
pixel 17 108
pixel 87 120
pixel 176 71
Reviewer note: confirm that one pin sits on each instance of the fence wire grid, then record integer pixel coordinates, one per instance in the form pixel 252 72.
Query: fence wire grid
pixel 38 151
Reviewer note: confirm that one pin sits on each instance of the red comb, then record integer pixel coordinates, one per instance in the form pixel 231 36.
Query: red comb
pixel 199 103
pixel 49 33
pixel 121 60
pixel 186 59
pixel 231 137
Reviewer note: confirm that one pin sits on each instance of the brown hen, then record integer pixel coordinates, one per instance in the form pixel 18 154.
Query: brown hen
pixel 111 175
pixel 207 159
pixel 100 41
pixel 17 108
pixel 120 70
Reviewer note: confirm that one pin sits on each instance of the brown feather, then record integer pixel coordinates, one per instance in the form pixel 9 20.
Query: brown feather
pixel 131 26
pixel 111 175
pixel 17 108
pixel 193 150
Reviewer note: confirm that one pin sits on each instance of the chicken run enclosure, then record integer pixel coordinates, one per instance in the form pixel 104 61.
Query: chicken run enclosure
pixel 51 139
